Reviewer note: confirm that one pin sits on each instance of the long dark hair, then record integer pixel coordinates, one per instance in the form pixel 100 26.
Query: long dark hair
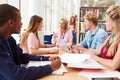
pixel 32 27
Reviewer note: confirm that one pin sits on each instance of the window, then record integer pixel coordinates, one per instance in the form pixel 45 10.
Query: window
pixel 55 10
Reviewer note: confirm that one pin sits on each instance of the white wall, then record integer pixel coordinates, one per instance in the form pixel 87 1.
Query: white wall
pixel 24 14
pixel 14 3
pixel 3 1
pixel 30 8
pixel 36 7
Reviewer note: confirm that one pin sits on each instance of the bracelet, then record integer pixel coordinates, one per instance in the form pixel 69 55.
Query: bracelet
pixel 40 58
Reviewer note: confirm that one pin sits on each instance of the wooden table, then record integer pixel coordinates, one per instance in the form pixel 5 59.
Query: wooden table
pixel 72 73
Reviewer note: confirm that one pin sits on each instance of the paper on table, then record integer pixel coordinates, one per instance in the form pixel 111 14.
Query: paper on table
pixel 60 42
pixel 99 73
pixel 74 58
pixel 59 71
pixel 88 63
pixel 51 48
pixel 64 48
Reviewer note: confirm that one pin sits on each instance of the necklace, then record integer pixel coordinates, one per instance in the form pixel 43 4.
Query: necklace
pixel 62 35
pixel 110 41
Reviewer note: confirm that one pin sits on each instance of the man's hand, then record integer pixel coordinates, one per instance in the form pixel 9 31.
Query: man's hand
pixel 55 64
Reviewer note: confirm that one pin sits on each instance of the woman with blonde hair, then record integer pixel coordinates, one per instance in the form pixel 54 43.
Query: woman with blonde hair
pixel 63 35
pixel 30 42
pixel 109 52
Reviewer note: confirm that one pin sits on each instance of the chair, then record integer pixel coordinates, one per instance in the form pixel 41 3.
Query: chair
pixel 47 39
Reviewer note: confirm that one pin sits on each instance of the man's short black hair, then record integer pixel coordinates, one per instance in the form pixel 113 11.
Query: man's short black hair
pixel 7 12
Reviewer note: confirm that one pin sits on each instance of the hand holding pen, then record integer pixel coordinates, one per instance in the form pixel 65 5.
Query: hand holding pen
pixel 55 63
pixel 74 48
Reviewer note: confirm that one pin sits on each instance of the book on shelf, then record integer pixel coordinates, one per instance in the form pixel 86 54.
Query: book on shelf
pixel 99 11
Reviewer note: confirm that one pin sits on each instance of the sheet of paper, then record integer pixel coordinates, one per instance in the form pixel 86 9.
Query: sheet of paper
pixel 74 58
pixel 64 48
pixel 99 73
pixel 60 42
pixel 51 48
pixel 59 71
pixel 88 63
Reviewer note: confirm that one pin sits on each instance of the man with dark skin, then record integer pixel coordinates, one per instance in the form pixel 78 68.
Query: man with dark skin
pixel 11 56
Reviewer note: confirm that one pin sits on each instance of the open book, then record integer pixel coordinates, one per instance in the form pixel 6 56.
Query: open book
pixel 80 61
pixel 59 71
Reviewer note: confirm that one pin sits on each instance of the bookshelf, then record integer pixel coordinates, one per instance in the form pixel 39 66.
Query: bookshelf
pixel 99 11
